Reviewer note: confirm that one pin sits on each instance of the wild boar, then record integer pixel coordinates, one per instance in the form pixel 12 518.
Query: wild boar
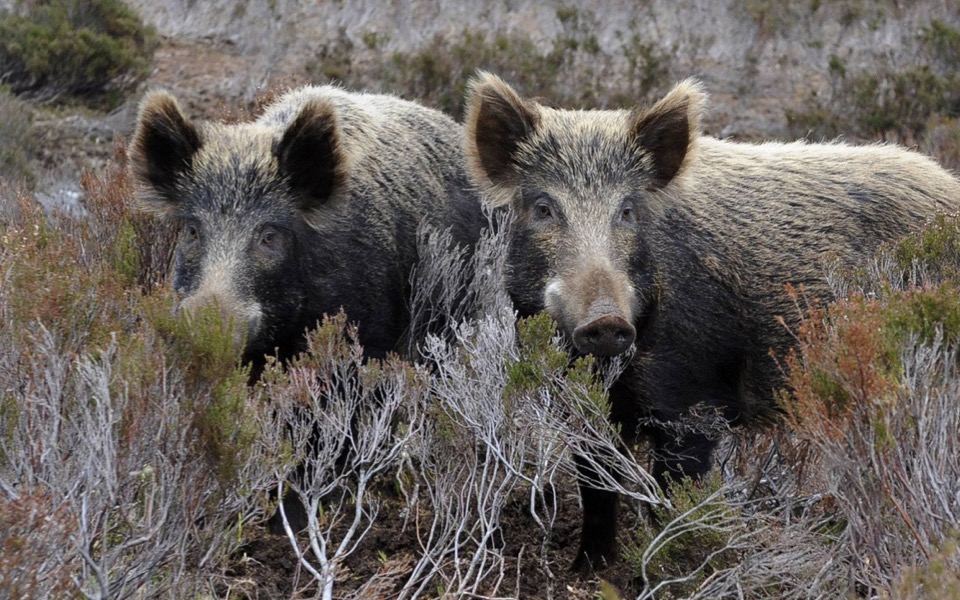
pixel 632 229
pixel 312 208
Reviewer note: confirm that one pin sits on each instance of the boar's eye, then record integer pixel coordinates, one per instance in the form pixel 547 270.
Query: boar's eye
pixel 270 241
pixel 191 232
pixel 539 208
pixel 628 216
pixel 542 211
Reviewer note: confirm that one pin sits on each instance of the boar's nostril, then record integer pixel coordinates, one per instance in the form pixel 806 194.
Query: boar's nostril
pixel 608 335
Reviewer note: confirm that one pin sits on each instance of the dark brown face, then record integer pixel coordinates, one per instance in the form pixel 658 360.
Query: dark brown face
pixel 239 249
pixel 583 187
pixel 570 254
pixel 242 196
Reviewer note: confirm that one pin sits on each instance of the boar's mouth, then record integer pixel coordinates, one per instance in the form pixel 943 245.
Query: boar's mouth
pixel 608 330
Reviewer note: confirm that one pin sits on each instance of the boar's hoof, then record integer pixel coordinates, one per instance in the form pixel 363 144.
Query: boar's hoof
pixel 591 560
pixel 608 335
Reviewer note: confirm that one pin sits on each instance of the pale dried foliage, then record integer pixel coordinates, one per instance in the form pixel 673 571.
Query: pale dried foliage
pixel 129 507
pixel 125 473
pixel 860 497
pixel 105 488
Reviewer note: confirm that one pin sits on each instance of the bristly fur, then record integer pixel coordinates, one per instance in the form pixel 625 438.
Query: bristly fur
pixel 341 180
pixel 633 226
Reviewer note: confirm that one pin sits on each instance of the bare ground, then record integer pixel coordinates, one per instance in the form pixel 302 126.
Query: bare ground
pixel 266 565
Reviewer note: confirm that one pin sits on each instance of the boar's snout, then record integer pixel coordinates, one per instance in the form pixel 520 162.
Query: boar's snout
pixel 607 335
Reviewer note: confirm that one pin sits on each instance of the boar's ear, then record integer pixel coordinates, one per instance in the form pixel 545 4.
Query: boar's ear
pixel 310 157
pixel 163 147
pixel 497 121
pixel 668 131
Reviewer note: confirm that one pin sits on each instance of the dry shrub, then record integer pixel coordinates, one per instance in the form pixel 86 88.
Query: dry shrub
pixel 859 494
pixel 937 580
pixel 134 454
pixel 48 281
pixel 135 244
pixel 348 422
pixel 875 395
pixel 483 429
pixel 32 535
pixel 844 368
pixel 132 430
pixel 942 141
pixel 127 466
pixel 18 140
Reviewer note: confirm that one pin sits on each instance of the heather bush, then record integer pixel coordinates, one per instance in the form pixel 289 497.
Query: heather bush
pixel 857 495
pixel 875 396
pixel 486 424
pixel 137 459
pixel 124 468
pixel 930 257
pixel 135 456
pixel 693 540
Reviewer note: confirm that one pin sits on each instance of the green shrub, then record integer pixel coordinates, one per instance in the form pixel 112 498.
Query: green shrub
pixel 542 365
pixel 92 50
pixel 874 398
pixel 852 350
pixel 941 42
pixel 936 249
pixel 692 539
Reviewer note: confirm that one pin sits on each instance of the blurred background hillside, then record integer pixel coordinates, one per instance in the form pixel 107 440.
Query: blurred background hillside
pixel 73 70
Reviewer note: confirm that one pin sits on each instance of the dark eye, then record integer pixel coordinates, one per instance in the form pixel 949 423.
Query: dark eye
pixel 627 214
pixel 270 241
pixel 191 232
pixel 542 211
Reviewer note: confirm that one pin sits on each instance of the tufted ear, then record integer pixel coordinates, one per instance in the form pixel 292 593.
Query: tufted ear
pixel 497 122
pixel 668 131
pixel 164 144
pixel 310 156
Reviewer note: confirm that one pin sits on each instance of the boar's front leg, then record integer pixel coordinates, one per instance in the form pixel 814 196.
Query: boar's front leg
pixel 598 530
